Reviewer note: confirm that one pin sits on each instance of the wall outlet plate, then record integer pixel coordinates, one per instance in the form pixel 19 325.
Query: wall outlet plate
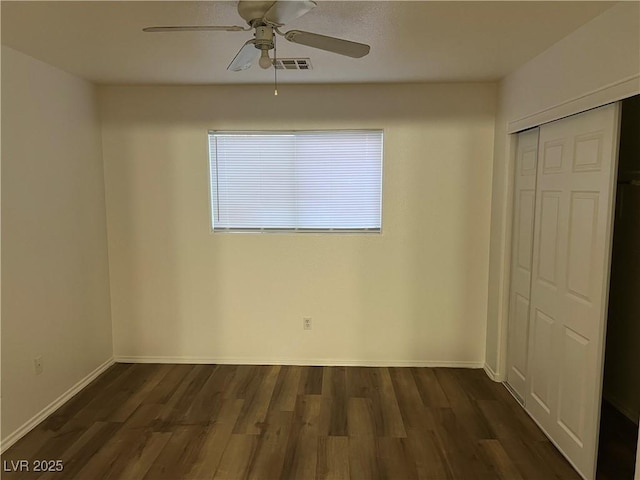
pixel 306 323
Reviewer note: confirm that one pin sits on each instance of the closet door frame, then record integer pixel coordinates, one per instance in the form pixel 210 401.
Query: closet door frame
pixel 584 452
pixel 562 108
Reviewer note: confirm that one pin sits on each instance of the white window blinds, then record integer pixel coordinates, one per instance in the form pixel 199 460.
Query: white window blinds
pixel 302 181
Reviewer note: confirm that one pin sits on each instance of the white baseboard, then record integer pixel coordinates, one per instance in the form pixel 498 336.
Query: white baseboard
pixel 493 375
pixel 52 407
pixel 490 373
pixel 326 362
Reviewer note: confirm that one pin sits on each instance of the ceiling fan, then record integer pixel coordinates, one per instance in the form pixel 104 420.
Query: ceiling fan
pixel 266 18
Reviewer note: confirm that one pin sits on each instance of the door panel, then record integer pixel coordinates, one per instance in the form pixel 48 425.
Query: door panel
pixel 541 363
pixel 553 157
pixel 524 241
pixel 583 224
pixel 548 238
pixel 571 413
pixel 571 256
pixel 522 255
pixel 520 325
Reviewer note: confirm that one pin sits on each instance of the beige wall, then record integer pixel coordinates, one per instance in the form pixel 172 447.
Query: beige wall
pixel 415 294
pixel 604 52
pixel 55 290
pixel 596 64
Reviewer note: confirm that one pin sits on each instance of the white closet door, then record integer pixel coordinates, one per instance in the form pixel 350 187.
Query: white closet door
pixel 524 197
pixel 570 282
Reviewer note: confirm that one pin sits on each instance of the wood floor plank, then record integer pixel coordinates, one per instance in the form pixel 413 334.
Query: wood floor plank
pixel 387 416
pixel 285 391
pixel 558 464
pixel 254 409
pixel 82 450
pixel 178 406
pixel 105 463
pixel 460 449
pixel 55 446
pixel 303 461
pixel 237 457
pixel 153 377
pixel 82 399
pixel 244 382
pixel 208 402
pixel 363 459
pixel 396 458
pixel 313 381
pixel 217 438
pixel 197 422
pixel 431 392
pixel 454 390
pixel 147 415
pixel 430 460
pixel 307 414
pixel 463 404
pixel 357 382
pixel 414 414
pixel 360 417
pixel 474 382
pixel 335 388
pixel 506 424
pixel 179 454
pixel 333 458
pixel 493 453
pixel 137 462
pixel 300 460
pixel 164 390
pixel 270 452
pixel 472 419
pixel 527 461
pixel 101 406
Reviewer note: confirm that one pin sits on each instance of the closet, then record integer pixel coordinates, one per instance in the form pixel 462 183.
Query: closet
pixel 563 215
pixel 620 411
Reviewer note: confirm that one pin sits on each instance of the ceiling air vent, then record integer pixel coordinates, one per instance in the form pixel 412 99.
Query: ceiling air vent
pixel 292 64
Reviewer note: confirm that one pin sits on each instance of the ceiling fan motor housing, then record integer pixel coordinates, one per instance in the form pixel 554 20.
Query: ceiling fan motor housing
pixel 264 38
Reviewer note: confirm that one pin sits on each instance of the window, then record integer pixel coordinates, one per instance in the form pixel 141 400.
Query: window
pixel 296 181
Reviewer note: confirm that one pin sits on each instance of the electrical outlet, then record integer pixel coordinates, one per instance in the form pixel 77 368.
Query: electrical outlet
pixel 37 365
pixel 306 323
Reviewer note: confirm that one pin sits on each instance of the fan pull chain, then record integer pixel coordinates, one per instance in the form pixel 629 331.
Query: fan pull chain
pixel 275 70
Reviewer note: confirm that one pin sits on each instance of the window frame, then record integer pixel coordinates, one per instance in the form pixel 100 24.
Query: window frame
pixel 279 230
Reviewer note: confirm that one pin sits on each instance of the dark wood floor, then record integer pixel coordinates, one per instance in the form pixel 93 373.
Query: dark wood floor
pixel 269 422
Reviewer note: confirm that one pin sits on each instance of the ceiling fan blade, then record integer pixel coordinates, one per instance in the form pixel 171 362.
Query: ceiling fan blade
pixel 247 55
pixel 286 10
pixel 194 28
pixel 330 44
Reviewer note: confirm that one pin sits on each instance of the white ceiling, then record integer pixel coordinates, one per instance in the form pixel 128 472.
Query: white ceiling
pixel 412 41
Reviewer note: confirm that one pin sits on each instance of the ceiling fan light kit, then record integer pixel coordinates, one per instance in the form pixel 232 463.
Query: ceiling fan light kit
pixel 264 41
pixel 265 18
